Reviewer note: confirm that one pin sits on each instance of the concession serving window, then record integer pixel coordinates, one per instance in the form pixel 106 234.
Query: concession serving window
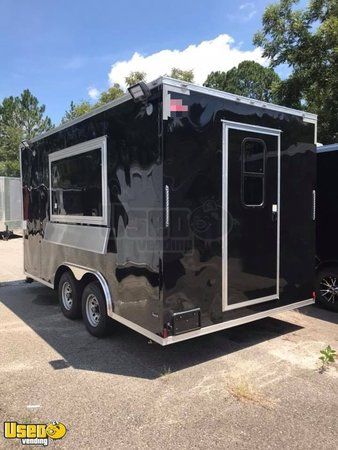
pixel 78 183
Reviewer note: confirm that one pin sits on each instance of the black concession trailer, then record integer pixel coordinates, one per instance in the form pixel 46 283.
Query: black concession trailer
pixel 177 210
pixel 326 227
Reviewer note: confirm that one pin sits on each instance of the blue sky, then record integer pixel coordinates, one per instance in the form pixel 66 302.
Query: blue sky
pixel 61 50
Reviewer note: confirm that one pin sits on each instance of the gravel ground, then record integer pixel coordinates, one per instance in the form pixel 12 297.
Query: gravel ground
pixel 253 386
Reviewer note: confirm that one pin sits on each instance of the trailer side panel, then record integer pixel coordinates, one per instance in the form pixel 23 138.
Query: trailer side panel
pixel 194 171
pixel 128 151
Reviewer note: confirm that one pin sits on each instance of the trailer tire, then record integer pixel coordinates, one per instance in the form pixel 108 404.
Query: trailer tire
pixel 94 310
pixel 69 296
pixel 327 280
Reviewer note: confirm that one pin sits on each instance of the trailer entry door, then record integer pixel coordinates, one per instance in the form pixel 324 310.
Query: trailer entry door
pixel 251 186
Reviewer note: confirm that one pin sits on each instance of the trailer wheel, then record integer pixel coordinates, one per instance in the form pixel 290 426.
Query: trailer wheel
pixel 94 310
pixel 69 296
pixel 327 288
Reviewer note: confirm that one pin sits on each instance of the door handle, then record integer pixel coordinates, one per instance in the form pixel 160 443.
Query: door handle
pixel 166 200
pixel 313 205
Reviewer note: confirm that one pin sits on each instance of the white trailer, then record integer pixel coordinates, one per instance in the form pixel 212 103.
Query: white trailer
pixel 10 206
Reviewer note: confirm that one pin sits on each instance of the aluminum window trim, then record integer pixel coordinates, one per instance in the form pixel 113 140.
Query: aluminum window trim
pixel 245 174
pixel 75 150
pixel 226 126
pixel 251 139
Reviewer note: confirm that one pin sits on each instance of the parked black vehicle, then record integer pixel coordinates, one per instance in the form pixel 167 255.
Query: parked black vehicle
pixel 177 210
pixel 327 222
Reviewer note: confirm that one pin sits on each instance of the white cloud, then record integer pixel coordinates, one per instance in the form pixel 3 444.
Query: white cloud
pixel 217 54
pixel 246 13
pixel 75 63
pixel 93 93
pixel 247 5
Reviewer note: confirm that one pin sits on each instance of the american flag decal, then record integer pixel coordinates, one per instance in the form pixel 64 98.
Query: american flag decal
pixel 176 105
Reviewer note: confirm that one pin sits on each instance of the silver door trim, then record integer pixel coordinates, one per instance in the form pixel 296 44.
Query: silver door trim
pixel 251 302
pixel 227 125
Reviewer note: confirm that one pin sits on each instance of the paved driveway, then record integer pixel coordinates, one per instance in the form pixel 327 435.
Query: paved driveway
pixel 252 386
pixel 11 260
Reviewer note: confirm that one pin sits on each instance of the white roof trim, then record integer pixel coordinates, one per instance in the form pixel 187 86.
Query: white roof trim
pixel 91 113
pixel 308 117
pixel 327 148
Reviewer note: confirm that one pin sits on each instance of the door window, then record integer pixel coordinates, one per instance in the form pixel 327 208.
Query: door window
pixel 253 172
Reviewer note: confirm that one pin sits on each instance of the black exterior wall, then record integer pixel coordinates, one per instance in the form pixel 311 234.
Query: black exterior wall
pixel 326 209
pixel 193 171
pixel 134 166
pixel 154 271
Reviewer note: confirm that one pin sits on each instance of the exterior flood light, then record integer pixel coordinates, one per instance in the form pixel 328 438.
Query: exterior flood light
pixel 140 91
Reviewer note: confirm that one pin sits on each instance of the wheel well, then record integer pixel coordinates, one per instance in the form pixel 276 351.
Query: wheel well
pixel 59 272
pixel 89 278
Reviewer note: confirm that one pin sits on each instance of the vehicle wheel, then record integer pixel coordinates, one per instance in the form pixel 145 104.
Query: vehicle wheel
pixel 327 288
pixel 94 310
pixel 69 296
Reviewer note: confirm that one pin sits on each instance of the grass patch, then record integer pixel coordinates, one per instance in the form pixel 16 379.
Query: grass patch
pixel 243 391
pixel 165 371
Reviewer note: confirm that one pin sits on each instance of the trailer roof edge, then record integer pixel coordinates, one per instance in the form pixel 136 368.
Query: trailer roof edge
pixel 310 117
pixel 79 119
pixel 91 113
pixel 327 148
pixel 239 98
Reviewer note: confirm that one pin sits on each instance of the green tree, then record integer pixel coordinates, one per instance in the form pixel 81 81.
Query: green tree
pixel 76 110
pixel 110 94
pixel 306 40
pixel 216 80
pixel 79 109
pixel 249 79
pixel 21 118
pixel 135 77
pixel 184 75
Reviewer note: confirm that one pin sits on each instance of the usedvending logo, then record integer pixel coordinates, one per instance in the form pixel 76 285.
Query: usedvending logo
pixel 34 433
